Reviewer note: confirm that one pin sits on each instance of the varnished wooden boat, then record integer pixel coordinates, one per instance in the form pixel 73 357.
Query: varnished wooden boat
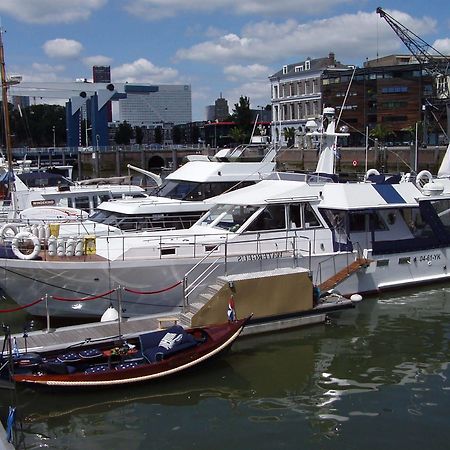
pixel 151 356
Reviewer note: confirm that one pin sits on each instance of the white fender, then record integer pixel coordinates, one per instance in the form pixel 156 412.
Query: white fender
pixel 60 247
pixel 371 172
pixel 79 247
pixel 47 233
pixel 8 230
pixel 25 236
pixel 35 230
pixel 109 315
pixel 70 247
pixel 52 246
pixel 423 177
pixel 41 232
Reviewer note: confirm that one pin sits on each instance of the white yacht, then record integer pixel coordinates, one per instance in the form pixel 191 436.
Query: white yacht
pixel 180 199
pixel 401 229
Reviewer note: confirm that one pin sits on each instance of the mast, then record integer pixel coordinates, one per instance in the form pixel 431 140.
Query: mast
pixel 5 104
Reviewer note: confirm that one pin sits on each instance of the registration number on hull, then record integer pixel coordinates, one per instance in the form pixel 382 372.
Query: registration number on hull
pixel 430 257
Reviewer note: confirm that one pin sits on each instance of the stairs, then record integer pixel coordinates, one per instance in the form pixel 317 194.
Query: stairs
pixel 343 274
pixel 185 318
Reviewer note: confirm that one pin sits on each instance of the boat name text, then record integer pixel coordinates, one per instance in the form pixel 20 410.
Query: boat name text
pixel 258 256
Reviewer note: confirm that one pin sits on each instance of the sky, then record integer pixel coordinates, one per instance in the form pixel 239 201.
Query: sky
pixel 219 47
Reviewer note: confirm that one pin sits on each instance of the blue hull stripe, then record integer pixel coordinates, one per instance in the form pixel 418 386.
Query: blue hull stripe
pixel 389 194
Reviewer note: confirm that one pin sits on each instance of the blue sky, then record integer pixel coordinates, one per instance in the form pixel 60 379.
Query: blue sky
pixel 216 46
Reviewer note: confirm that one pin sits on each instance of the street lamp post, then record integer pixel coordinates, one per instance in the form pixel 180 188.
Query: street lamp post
pixel 54 138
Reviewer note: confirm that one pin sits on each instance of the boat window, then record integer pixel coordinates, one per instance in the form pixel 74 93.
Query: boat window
pixel 415 223
pixel 311 220
pixel 272 217
pixel 357 222
pixel 181 190
pixel 229 217
pixel 295 215
pixel 82 203
pixel 442 208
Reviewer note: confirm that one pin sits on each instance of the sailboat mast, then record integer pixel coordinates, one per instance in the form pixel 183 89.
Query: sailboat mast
pixel 5 104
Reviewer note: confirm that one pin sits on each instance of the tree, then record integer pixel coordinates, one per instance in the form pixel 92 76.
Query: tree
pixel 242 116
pixel 159 135
pixel 289 135
pixel 33 126
pixel 381 133
pixel 237 135
pixel 123 134
pixel 139 134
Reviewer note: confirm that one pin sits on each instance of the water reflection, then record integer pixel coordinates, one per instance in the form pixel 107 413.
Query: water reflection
pixel 374 371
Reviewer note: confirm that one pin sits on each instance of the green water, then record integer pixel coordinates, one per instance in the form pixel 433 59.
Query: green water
pixel 376 377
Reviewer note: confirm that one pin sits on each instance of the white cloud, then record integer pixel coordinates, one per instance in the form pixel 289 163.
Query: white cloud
pixel 160 9
pixel 143 70
pixel 237 72
pixel 40 72
pixel 62 48
pixel 257 91
pixel 353 37
pixel 97 60
pixel 442 45
pixel 50 11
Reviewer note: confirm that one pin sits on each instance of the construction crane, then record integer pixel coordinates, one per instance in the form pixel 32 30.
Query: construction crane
pixel 432 60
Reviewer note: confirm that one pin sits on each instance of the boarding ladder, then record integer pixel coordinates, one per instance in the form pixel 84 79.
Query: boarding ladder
pixel 343 274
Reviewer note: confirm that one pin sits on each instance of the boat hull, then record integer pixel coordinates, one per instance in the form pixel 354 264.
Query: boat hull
pixel 220 338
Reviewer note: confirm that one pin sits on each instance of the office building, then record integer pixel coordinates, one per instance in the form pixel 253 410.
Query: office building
pixel 147 104
pixel 102 74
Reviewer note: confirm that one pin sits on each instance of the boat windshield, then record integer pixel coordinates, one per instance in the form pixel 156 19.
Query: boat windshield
pixel 229 217
pixel 181 190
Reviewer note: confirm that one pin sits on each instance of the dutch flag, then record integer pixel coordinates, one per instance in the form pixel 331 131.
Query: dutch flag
pixel 231 310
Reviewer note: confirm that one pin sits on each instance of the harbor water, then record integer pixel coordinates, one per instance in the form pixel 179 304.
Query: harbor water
pixel 374 377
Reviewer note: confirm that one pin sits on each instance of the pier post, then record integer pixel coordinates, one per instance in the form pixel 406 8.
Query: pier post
pixel 49 330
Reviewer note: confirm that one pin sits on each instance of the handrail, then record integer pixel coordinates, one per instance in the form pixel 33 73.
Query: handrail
pixel 189 288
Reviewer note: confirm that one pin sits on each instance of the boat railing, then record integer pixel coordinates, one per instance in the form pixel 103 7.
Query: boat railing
pixel 350 256
pixel 197 276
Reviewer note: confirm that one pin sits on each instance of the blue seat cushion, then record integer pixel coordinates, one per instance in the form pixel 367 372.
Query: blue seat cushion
pixel 97 369
pixel 68 357
pixel 160 344
pixel 91 353
pixel 126 365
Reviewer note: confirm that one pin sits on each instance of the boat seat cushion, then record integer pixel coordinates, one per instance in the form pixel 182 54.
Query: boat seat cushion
pixel 160 344
pixel 97 369
pixel 90 353
pixel 68 357
pixel 126 365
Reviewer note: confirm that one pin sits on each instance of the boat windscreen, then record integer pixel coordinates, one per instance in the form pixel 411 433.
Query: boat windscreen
pixel 180 190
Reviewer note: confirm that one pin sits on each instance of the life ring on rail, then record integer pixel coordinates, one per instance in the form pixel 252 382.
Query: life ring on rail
pixel 24 236
pixel 8 230
pixel 422 178
pixel 371 172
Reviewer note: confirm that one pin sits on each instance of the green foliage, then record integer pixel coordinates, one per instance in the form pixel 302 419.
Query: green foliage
pixel 289 135
pixel 381 133
pixel 242 117
pixel 139 135
pixel 33 126
pixel 159 134
pixel 124 134
pixel 237 135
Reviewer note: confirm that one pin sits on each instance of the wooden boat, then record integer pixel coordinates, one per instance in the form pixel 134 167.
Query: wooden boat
pixel 151 356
